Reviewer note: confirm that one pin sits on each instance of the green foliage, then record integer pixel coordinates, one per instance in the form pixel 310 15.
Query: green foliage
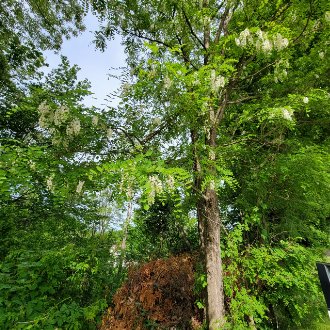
pixel 259 87
pixel 65 288
pixel 273 285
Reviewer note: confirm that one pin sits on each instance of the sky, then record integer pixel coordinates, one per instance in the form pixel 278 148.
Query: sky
pixel 95 65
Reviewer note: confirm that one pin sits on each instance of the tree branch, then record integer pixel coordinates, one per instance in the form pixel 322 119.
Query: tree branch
pixel 138 34
pixel 191 29
pixel 221 25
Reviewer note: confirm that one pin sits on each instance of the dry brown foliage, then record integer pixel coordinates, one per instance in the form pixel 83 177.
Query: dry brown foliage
pixel 157 295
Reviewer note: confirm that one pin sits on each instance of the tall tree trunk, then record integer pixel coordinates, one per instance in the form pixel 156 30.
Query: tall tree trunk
pixel 208 215
pixel 215 295
pixel 213 262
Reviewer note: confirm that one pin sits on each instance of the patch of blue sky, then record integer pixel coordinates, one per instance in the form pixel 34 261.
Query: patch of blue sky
pixel 94 64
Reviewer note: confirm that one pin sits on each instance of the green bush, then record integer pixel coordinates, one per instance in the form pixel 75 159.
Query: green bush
pixel 66 288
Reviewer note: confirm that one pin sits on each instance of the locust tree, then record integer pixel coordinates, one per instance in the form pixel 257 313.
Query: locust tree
pixel 197 65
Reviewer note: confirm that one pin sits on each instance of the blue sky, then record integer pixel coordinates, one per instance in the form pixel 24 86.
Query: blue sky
pixel 94 64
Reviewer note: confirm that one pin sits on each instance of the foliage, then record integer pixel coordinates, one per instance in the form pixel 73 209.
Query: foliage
pixel 225 99
pixel 64 288
pixel 266 285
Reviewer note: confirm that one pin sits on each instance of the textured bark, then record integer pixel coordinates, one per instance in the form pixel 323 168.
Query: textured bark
pixel 215 295
pixel 209 221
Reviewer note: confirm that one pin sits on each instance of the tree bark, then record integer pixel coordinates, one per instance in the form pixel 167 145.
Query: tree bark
pixel 215 295
pixel 208 215
pixel 212 222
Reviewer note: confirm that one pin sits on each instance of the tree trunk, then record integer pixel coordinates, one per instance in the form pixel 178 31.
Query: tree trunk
pixel 215 295
pixel 208 215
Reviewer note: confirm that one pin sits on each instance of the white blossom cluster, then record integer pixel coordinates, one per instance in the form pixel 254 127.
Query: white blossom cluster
pixel 61 115
pixel 73 128
pixel 170 182
pixel 45 115
pixel 156 187
pixel 109 133
pixel 80 187
pixel 261 41
pixel 287 114
pixel 167 82
pixel 279 42
pixel 95 120
pixel 282 112
pixel 280 70
pixel 244 38
pixel 32 165
pixel 305 99
pixel 216 82
pixel 50 120
pixel 157 121
pixel 126 87
pixel 50 183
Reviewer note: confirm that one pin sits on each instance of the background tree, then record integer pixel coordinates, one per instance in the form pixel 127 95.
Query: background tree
pixel 199 64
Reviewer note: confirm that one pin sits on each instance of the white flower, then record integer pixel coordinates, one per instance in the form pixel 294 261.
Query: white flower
pixel 260 34
pixel 109 133
pixel 73 128
pixel 244 38
pixel 305 99
pixel 216 82
pixel 49 183
pixel 167 82
pixel 321 55
pixel 156 186
pixel 266 46
pixel 170 182
pixel 157 121
pixel 286 114
pixel 61 115
pixel 32 165
pixel 43 108
pixel 156 183
pixel 212 185
pixel 280 42
pixel 95 120
pixel 46 116
pixel 56 140
pixel 126 88
pixel 211 154
pixel 79 186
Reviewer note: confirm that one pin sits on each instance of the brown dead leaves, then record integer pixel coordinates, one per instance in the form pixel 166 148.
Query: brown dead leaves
pixel 158 294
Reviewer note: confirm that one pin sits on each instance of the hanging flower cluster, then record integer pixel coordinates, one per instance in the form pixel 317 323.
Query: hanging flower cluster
pixel 170 182
pixel 282 113
pixel 80 187
pixel 280 70
pixel 95 120
pixel 156 187
pixel 45 115
pixel 167 83
pixel 216 82
pixel 52 120
pixel 73 128
pixel 261 40
pixel 50 183
pixel 61 115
